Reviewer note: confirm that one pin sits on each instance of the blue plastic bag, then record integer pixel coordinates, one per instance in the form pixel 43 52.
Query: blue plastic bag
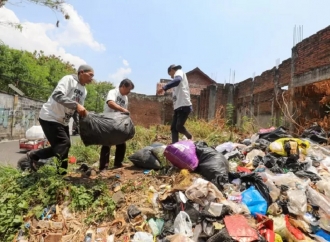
pixel 254 201
pixel 323 234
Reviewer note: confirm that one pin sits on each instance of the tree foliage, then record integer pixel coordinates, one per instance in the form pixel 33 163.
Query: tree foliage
pixel 37 74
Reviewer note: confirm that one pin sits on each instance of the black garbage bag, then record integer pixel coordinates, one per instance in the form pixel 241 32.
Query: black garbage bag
pixel 169 204
pixel 294 166
pixel 308 174
pixel 253 179
pixel 106 129
pixel 257 160
pixel 280 132
pixel 262 144
pixel 315 133
pixel 212 164
pixel 168 229
pixel 193 213
pixel 276 169
pixel 222 236
pixel 269 160
pixel 144 158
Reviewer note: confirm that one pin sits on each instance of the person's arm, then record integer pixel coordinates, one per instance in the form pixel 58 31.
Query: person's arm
pixel 60 92
pixel 116 107
pixel 59 95
pixel 175 82
pixel 111 101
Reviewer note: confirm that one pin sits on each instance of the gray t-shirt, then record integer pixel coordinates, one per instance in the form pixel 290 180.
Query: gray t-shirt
pixel 181 93
pixel 62 109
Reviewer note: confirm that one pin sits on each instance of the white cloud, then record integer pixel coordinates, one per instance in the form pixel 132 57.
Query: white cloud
pixel 47 37
pixel 121 73
pixel 125 62
pixel 77 31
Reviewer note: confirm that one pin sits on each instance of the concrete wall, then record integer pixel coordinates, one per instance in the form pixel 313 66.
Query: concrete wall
pixel 17 114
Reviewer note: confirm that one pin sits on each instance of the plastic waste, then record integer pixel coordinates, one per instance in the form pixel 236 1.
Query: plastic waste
pixel 90 235
pixel 253 153
pixel 225 147
pixel 142 237
pixel 111 238
pixel 274 192
pixel 182 154
pixel 182 224
pixel 279 148
pixel 254 201
pixel 297 202
pixel 318 199
pixel 156 226
pixel 238 228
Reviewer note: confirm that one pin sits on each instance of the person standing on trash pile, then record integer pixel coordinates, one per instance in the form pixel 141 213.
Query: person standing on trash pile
pixel 181 101
pixel 117 101
pixel 66 101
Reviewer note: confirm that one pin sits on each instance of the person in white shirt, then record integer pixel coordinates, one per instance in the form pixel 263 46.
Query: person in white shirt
pixel 116 101
pixel 181 101
pixel 66 101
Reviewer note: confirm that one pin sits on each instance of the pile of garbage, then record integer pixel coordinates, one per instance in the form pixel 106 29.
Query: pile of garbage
pixel 270 187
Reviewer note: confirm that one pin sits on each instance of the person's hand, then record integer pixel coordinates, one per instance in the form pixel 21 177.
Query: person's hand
pixel 160 91
pixel 125 111
pixel 81 110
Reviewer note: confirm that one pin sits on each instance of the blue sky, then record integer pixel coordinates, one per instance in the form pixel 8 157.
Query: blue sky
pixel 140 39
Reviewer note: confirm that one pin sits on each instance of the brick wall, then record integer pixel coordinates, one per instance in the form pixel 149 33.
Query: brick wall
pixel 284 72
pixel 312 52
pixel 146 110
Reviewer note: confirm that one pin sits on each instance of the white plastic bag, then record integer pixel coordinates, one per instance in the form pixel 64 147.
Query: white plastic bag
pixel 35 132
pixel 183 225
pixel 142 237
pixel 297 202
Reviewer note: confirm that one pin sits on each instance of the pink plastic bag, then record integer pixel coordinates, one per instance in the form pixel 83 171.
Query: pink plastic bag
pixel 182 154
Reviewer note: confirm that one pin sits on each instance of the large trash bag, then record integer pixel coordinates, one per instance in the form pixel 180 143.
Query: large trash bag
pixel 106 129
pixel 212 165
pixel 278 133
pixel 144 158
pixel 254 201
pixel 315 133
pixel 182 154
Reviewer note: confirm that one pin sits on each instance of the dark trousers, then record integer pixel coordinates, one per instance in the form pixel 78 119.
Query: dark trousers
pixel 105 156
pixel 179 119
pixel 59 139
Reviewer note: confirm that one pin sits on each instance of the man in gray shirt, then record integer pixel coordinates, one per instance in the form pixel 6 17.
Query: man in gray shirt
pixel 66 101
